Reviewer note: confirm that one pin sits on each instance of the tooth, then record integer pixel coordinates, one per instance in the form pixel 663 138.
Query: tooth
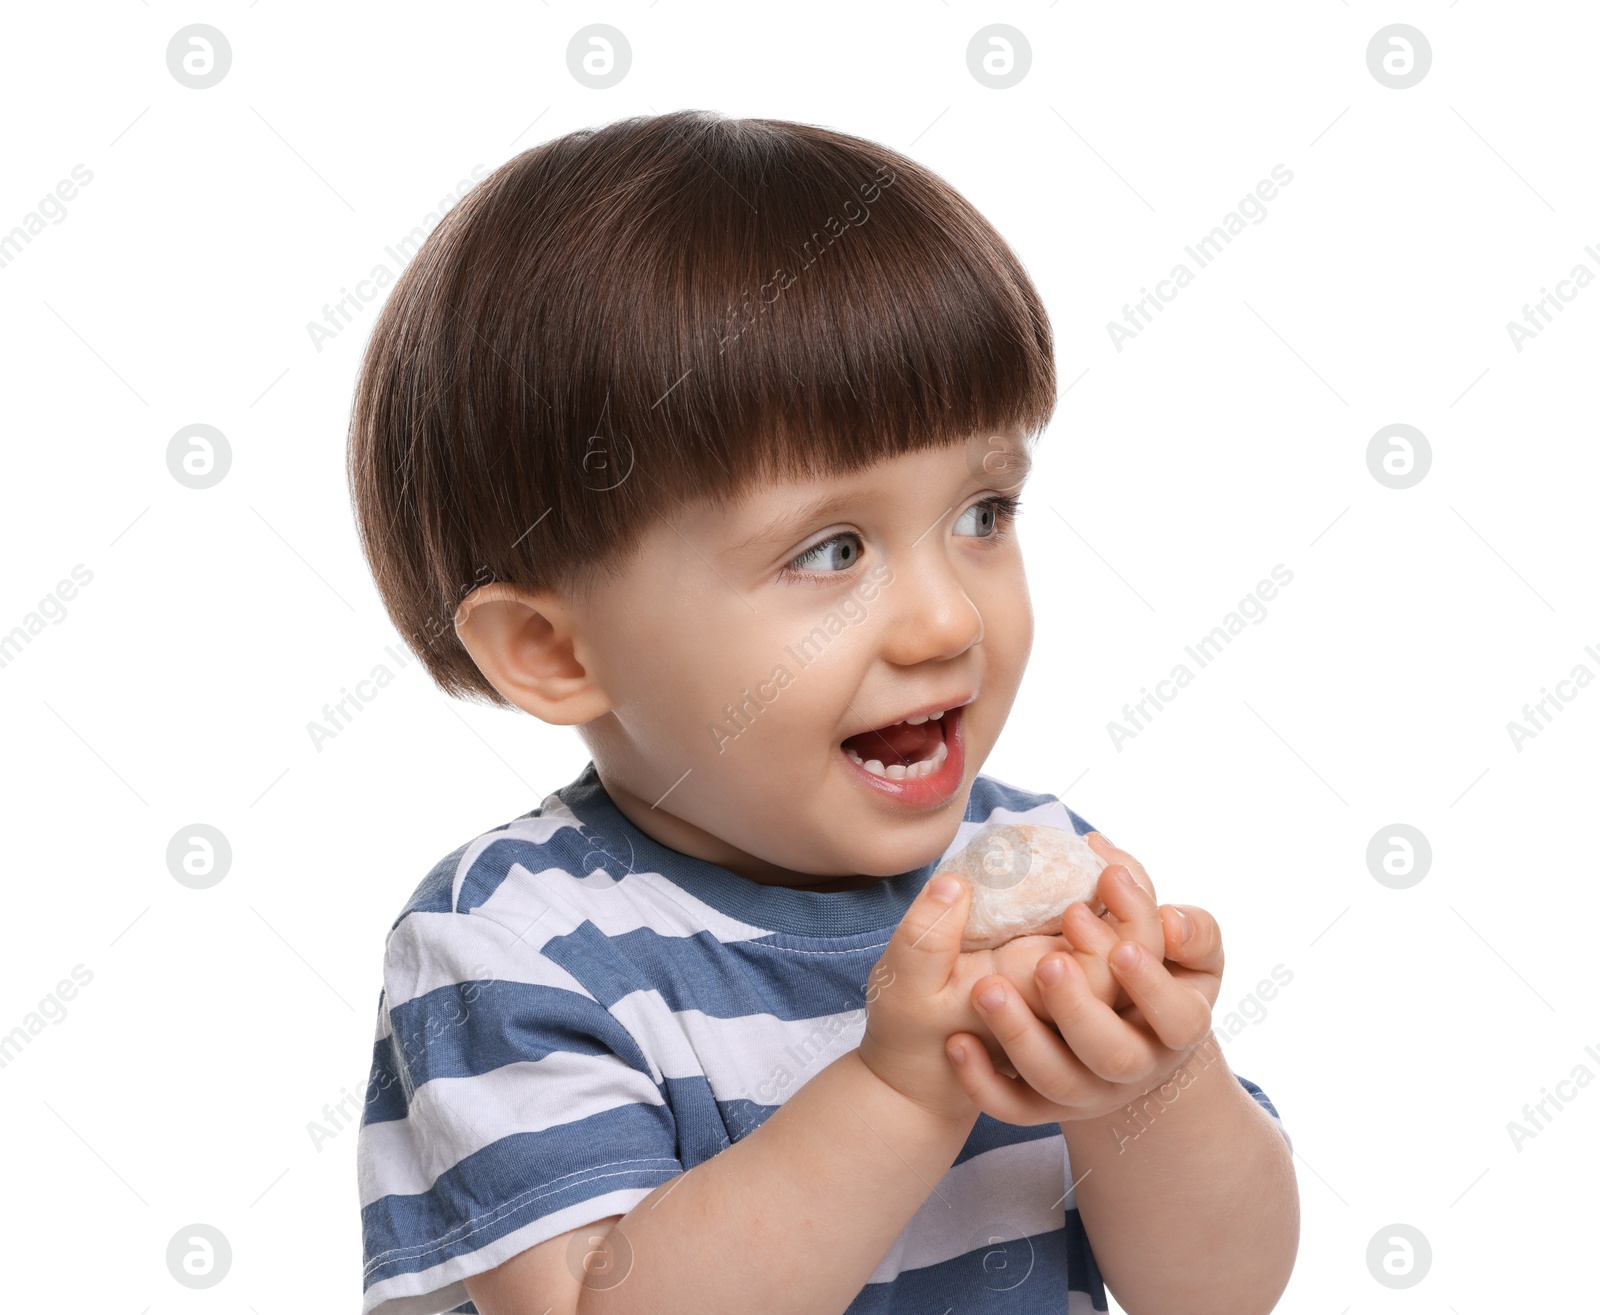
pixel 854 756
pixel 915 721
pixel 874 766
pixel 937 715
pixel 895 772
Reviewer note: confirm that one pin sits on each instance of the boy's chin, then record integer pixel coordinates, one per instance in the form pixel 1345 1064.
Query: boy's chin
pixel 891 860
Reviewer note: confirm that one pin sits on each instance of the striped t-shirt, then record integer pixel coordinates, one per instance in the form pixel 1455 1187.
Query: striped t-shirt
pixel 572 1014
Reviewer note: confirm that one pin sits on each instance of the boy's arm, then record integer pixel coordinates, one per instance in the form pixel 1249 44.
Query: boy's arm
pixel 792 1218
pixel 1189 1200
pixel 1184 1181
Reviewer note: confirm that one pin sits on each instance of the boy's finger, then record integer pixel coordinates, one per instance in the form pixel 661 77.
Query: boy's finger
pixel 1178 1014
pixel 1112 854
pixel 1087 932
pixel 1002 1096
pixel 1133 906
pixel 1195 945
pixel 923 949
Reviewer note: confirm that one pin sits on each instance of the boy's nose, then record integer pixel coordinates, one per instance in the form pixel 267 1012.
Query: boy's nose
pixel 930 615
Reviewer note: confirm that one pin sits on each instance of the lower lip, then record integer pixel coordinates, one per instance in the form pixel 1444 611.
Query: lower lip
pixel 923 791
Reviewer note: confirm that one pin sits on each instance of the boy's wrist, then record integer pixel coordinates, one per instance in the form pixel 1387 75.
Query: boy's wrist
pixel 956 1114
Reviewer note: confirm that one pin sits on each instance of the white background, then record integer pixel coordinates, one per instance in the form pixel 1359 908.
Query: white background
pixel 1230 436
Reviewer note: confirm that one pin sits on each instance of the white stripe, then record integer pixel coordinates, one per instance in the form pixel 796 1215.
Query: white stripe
pixel 757 1057
pixel 451 1118
pixel 1069 1179
pixel 617 900
pixel 596 886
pixel 430 950
pixel 534 830
pixel 1053 813
pixel 998 1197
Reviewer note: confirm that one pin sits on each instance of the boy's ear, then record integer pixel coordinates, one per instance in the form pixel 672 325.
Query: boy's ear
pixel 526 646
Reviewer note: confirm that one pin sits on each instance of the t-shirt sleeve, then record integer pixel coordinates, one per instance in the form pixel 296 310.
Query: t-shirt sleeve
pixel 507 1105
pixel 1262 1100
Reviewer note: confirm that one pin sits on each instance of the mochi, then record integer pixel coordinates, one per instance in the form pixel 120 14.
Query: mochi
pixel 1023 876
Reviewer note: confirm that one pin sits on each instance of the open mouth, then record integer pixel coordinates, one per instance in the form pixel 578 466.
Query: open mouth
pixel 907 750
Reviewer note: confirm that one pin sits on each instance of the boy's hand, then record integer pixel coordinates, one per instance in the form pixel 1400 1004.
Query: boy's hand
pixel 920 992
pixel 1088 937
pixel 1096 1059
pixel 914 1001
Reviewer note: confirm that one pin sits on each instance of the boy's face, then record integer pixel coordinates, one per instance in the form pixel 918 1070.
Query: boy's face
pixel 743 649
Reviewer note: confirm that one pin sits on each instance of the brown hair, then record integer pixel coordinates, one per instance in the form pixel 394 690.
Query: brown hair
pixel 664 309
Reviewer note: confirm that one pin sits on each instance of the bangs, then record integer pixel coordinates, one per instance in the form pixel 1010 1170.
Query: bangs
pixel 851 307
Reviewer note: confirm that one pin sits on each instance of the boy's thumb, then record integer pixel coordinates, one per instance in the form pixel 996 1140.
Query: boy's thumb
pixel 922 952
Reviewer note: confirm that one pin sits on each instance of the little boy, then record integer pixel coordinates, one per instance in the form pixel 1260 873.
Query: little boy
pixel 705 436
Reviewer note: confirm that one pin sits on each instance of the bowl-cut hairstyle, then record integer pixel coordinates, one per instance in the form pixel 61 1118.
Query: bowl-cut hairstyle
pixel 660 311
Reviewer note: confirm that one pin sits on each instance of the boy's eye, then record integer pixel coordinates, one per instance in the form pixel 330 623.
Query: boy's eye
pixel 988 519
pixel 840 552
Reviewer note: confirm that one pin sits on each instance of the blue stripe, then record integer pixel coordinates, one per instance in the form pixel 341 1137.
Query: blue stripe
pixel 989 1133
pixel 385 1095
pixel 997 794
pixel 722 980
pixel 742 1117
pixel 513 1182
pixel 565 850
pixel 433 894
pixel 1261 1097
pixel 470 1028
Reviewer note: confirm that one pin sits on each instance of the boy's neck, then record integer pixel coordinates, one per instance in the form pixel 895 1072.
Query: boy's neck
pixel 674 833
